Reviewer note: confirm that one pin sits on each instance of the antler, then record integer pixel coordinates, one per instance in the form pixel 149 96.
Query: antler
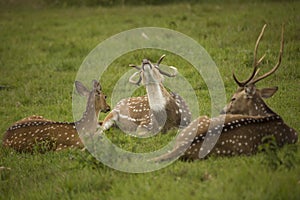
pixel 165 73
pixel 255 62
pixel 160 59
pixel 242 84
pixel 278 62
pixel 156 66
pixel 133 75
pixel 132 65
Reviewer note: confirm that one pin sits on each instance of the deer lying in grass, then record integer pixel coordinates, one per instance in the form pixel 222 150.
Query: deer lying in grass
pixel 35 131
pixel 159 110
pixel 247 121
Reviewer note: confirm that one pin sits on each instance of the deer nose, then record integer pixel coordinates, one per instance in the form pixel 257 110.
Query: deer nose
pixel 145 61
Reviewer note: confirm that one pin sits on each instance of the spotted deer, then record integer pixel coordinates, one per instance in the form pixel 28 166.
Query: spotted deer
pixel 36 131
pixel 242 125
pixel 158 110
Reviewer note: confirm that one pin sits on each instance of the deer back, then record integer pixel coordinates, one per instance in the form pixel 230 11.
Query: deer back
pixel 135 111
pixel 235 135
pixel 41 135
pixel 241 135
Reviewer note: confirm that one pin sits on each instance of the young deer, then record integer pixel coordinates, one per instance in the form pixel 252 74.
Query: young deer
pixel 159 110
pixel 247 121
pixel 33 131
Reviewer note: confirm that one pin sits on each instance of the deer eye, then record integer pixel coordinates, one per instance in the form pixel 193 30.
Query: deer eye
pixel 105 96
pixel 233 99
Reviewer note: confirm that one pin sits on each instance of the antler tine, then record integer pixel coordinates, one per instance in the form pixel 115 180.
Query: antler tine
pixel 255 62
pixel 168 74
pixel 160 59
pixel 132 65
pixel 135 82
pixel 261 59
pixel 278 62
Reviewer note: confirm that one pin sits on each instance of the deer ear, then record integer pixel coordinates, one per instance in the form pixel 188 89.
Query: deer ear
pixel 96 85
pixel 268 92
pixel 81 89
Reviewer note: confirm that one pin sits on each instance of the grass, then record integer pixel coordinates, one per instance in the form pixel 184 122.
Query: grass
pixel 41 50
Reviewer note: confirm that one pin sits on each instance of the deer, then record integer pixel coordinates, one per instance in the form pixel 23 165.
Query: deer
pixel 158 110
pixel 241 126
pixel 36 131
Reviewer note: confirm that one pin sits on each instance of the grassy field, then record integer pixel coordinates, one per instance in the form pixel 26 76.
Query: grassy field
pixel 42 48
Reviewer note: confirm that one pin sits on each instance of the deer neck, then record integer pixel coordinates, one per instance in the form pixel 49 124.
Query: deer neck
pixel 89 117
pixel 261 109
pixel 156 96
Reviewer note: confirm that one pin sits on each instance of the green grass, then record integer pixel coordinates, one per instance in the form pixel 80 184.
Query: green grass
pixel 41 50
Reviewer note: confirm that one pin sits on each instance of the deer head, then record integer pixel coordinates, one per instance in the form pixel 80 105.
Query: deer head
pixel 151 73
pixel 95 95
pixel 248 100
pixel 96 103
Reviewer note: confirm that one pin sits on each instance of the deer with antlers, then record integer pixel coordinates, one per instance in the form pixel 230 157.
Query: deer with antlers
pixel 242 125
pixel 159 110
pixel 36 131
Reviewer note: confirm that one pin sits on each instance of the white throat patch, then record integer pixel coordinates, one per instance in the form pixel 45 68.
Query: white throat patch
pixel 157 101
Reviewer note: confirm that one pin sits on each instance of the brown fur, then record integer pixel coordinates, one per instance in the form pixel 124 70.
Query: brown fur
pixel 36 132
pixel 247 121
